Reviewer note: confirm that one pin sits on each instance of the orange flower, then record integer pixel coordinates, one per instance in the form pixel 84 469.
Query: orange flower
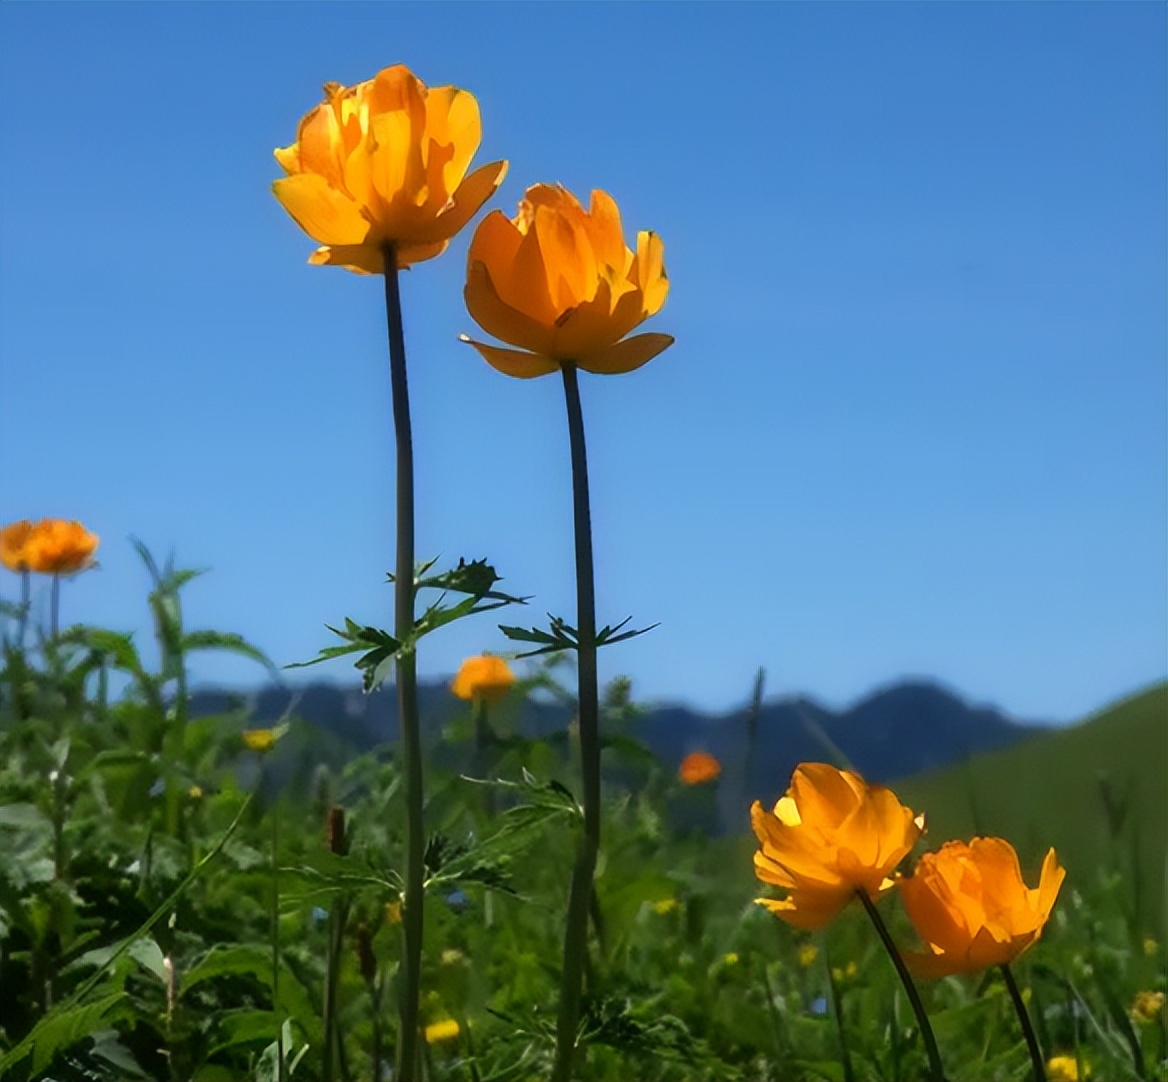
pixel 831 835
pixel 55 547
pixel 13 541
pixel 384 162
pixel 558 282
pixel 969 904
pixel 484 679
pixel 699 767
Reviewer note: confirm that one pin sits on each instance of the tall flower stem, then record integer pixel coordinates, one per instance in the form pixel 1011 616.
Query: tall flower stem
pixel 576 930
pixel 25 603
pixel 936 1070
pixel 407 680
pixel 1037 1064
pixel 56 606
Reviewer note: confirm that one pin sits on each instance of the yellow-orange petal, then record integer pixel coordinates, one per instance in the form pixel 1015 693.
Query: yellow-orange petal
pixel 325 214
pixel 358 258
pixel 512 362
pixel 627 355
pixel 809 910
pixel 493 314
pixel 466 202
pixel 13 544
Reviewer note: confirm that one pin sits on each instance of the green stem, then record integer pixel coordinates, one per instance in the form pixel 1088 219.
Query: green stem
pixel 55 626
pixel 936 1070
pixel 576 930
pixel 837 1010
pixel 1037 1064
pixel 337 918
pixel 280 1066
pixel 25 605
pixel 407 681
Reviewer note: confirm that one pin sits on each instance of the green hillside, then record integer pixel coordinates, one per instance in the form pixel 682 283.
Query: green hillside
pixel 1097 791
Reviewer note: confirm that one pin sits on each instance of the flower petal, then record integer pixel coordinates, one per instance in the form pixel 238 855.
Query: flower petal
pixel 325 214
pixel 491 313
pixel 466 202
pixel 627 355
pixel 513 363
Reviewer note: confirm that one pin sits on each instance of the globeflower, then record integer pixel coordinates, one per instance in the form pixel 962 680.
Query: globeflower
pixel 13 539
pixel 699 767
pixel 969 904
pixel 559 282
pixel 483 679
pixel 56 547
pixel 831 836
pixel 384 163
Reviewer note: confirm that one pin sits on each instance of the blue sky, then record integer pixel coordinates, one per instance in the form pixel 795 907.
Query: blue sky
pixel 914 422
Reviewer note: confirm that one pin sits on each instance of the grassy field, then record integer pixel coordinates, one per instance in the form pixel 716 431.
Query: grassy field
pixel 1096 791
pixel 169 910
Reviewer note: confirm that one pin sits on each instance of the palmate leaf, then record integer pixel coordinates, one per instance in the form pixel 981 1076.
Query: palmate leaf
pixel 380 650
pixel 563 636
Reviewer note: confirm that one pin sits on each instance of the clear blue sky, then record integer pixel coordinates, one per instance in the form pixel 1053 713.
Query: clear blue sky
pixel 914 422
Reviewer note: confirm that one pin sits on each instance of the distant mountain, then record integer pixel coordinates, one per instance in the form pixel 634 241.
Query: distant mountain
pixel 895 732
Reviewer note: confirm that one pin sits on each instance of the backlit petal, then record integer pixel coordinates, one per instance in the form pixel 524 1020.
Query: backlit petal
pixel 324 213
pixel 513 363
pixel 627 355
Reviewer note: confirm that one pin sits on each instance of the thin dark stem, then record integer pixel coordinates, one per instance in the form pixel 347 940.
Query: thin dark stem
pixel 407 681
pixel 1037 1064
pixel 936 1070
pixel 56 606
pixel 576 930
pixel 837 1010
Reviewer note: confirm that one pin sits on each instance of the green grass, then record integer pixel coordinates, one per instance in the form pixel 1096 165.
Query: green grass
pixel 1097 791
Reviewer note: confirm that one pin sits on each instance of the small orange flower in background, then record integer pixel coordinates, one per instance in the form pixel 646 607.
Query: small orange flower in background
pixel 969 904
pixel 829 836
pixel 50 547
pixel 483 679
pixel 558 282
pixel 13 539
pixel 699 767
pixel 385 162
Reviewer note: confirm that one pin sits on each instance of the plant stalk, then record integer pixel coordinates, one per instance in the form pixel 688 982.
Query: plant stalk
pixel 576 930
pixel 281 1073
pixel 55 606
pixel 407 681
pixel 936 1070
pixel 1037 1064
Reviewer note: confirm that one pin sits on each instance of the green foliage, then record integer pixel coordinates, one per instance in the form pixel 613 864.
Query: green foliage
pixel 136 888
pixel 381 649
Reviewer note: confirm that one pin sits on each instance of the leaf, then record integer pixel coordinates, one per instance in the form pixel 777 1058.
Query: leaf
pixel 381 649
pixel 60 1029
pixel 221 640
